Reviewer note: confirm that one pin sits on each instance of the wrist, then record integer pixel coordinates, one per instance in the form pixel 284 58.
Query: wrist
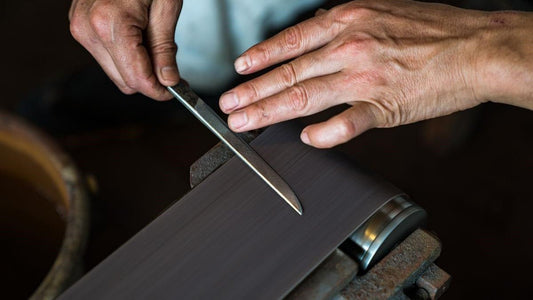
pixel 504 64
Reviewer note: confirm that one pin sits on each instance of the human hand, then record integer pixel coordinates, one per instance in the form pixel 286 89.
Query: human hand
pixel 394 62
pixel 133 41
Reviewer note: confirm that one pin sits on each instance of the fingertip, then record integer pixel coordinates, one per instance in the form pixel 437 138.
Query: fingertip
pixel 342 127
pixel 228 102
pixel 320 136
pixel 238 120
pixel 305 137
pixel 243 64
pixel 169 75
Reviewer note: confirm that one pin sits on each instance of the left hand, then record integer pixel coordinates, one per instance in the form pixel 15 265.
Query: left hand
pixel 394 62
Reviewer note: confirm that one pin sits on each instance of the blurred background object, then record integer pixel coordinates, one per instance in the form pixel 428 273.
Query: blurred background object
pixel 471 171
pixel 45 214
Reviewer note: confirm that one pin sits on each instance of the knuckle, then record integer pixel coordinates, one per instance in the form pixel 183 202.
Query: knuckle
pixel 353 46
pixel 130 82
pixel 251 90
pixel 362 12
pixel 260 54
pixel 77 29
pixel 351 12
pixel 164 47
pixel 288 74
pixel 293 37
pixel 124 88
pixel 127 90
pixel 385 110
pixel 100 22
pixel 392 112
pixel 298 98
pixel 345 129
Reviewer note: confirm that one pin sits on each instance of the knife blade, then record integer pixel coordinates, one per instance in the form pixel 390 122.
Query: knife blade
pixel 213 122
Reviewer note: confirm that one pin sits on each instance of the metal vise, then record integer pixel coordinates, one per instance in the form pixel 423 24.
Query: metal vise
pixel 388 257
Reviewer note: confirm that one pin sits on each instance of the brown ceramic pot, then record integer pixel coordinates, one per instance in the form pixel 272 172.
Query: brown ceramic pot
pixel 29 156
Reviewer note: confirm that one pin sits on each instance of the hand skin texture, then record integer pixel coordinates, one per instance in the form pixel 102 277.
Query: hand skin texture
pixel 393 62
pixel 133 41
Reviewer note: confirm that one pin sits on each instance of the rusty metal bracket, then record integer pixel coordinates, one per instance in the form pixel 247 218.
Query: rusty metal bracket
pixel 406 272
pixel 214 158
pixel 327 279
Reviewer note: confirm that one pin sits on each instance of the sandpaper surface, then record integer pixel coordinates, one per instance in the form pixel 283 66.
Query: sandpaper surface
pixel 232 237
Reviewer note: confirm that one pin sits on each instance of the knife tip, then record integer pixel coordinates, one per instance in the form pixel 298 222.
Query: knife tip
pixel 294 203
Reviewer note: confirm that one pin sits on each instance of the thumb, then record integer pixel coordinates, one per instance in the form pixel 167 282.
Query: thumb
pixel 342 127
pixel 160 34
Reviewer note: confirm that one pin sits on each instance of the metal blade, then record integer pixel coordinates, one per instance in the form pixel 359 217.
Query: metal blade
pixel 209 118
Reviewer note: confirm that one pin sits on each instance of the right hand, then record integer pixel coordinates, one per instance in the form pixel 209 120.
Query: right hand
pixel 133 41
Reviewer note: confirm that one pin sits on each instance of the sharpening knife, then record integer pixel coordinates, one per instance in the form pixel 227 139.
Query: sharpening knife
pixel 209 118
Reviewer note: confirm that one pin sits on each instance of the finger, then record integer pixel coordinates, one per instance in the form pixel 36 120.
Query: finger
pixel 133 63
pixel 302 99
pixel 108 65
pixel 291 42
pixel 308 66
pixel 342 127
pixel 87 38
pixel 122 37
pixel 160 33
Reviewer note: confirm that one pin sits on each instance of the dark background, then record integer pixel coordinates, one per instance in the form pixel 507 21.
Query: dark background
pixel 471 171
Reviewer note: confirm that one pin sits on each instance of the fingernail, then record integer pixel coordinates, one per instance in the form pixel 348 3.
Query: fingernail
pixel 238 119
pixel 229 101
pixel 242 63
pixel 169 73
pixel 305 138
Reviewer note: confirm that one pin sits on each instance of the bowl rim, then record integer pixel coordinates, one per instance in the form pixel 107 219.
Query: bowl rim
pixel 62 273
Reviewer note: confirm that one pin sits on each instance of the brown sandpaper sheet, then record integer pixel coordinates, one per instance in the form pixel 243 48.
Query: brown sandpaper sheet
pixel 232 237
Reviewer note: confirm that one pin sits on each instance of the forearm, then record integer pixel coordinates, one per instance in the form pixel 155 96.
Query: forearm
pixel 506 59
